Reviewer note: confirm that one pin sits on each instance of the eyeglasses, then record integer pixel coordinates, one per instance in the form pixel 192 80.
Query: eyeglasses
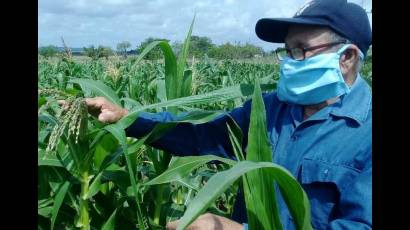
pixel 299 53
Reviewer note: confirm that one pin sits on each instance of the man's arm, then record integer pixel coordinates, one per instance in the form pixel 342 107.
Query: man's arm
pixel 355 205
pixel 186 138
pixel 192 139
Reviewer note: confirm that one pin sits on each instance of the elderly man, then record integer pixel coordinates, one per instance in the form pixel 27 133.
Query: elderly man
pixel 319 119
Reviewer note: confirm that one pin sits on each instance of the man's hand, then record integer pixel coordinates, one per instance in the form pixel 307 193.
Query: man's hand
pixel 209 222
pixel 104 110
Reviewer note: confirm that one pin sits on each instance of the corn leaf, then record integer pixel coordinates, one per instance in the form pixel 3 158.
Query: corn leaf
pixel 58 201
pixel 224 94
pixel 98 88
pixel 181 68
pixel 180 167
pixel 258 183
pixel 110 223
pixel 218 183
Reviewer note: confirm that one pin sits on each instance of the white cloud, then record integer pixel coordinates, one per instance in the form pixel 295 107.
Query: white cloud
pixel 107 22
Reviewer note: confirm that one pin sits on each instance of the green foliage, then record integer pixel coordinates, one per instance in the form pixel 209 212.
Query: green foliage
pixel 48 51
pixel 366 70
pixel 123 46
pixel 230 51
pixel 96 53
pixel 199 46
pixel 108 181
pixel 153 54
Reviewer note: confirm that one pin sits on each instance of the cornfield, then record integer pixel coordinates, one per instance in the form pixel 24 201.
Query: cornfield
pixel 91 176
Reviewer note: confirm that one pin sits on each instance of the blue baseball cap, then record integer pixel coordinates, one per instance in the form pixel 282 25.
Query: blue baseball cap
pixel 345 18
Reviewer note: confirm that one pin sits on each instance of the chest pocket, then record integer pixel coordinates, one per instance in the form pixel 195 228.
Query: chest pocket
pixel 323 182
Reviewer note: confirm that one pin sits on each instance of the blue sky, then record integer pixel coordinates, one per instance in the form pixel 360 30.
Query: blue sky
pixel 108 22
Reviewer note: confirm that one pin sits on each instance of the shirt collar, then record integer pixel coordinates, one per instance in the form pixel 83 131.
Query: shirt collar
pixel 356 104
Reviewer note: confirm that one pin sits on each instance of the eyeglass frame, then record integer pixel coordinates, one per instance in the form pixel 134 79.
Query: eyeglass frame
pixel 305 49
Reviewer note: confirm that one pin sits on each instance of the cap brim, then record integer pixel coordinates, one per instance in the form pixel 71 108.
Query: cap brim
pixel 275 29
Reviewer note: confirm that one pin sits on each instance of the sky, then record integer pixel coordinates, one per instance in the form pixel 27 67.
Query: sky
pixel 107 22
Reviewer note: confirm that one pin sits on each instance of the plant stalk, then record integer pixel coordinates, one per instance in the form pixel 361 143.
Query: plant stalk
pixel 84 214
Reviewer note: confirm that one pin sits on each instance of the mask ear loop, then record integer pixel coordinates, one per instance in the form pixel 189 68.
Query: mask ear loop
pixel 344 48
pixel 341 51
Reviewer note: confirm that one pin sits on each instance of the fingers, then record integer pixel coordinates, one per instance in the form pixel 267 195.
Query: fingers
pixel 95 103
pixel 172 225
pixel 107 116
pixel 63 104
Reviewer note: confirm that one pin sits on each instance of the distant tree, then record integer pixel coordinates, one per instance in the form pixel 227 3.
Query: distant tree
pixel 105 51
pixel 199 46
pixel 91 52
pixel 48 51
pixel 122 47
pixel 96 53
pixel 250 51
pixel 155 53
pixel 225 51
pixel 237 51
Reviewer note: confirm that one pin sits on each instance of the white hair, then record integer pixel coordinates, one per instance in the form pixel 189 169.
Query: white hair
pixel 335 37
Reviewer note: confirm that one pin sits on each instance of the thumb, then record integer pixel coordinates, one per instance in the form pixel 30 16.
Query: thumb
pixel 106 116
pixel 172 225
pixel 63 104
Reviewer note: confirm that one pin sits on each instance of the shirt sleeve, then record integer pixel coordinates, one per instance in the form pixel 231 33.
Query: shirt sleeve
pixel 193 139
pixel 355 207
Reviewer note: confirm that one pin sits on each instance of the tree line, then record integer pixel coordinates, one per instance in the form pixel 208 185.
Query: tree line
pixel 199 47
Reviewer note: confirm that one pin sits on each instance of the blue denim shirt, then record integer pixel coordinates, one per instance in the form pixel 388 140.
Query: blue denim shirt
pixel 330 153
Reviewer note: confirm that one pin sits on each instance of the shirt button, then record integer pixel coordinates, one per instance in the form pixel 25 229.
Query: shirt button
pixel 326 171
pixel 294 137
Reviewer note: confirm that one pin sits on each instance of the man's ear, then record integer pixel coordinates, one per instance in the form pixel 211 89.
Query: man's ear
pixel 348 60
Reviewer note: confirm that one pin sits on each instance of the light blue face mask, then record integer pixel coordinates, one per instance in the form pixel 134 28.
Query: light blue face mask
pixel 313 80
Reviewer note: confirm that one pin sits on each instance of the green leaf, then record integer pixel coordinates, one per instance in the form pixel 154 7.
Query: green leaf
pixel 45 207
pixel 181 67
pixel 186 83
pixel 48 118
pixel 180 167
pixel 44 202
pixel 258 183
pixel 161 90
pixel 41 101
pixel 217 184
pixel 187 183
pixel 45 211
pixel 259 147
pixel 94 187
pixel 98 88
pixel 119 177
pixel 199 117
pixel 170 66
pixel 110 159
pixel 219 95
pixel 110 224
pixel 130 103
pixel 235 136
pixel 119 133
pixel 58 201
pixel 48 159
pixel 105 146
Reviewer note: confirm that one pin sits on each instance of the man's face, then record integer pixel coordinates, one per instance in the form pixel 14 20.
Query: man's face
pixel 307 36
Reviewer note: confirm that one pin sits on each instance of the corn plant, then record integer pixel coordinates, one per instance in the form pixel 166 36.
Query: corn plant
pixel 90 166
pixel 258 174
pixel 91 176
